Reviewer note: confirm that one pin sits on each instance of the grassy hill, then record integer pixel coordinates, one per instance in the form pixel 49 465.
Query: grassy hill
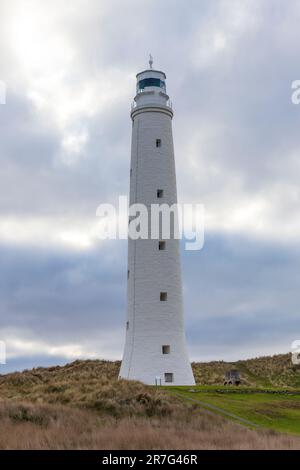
pixel 269 371
pixel 84 405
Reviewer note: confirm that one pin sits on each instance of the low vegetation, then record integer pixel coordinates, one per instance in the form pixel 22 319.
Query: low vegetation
pixel 83 405
pixel 268 371
pixel 33 426
pixel 275 409
pixel 87 384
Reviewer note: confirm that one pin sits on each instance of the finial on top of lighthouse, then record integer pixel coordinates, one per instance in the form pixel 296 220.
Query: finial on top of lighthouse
pixel 150 61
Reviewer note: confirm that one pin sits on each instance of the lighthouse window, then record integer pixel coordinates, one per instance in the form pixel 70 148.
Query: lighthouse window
pixel 161 245
pixel 158 142
pixel 151 82
pixel 160 193
pixel 127 325
pixel 166 349
pixel 128 274
pixel 168 377
pixel 163 296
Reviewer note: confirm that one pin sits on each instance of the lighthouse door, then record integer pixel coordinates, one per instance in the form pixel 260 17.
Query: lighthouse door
pixel 157 381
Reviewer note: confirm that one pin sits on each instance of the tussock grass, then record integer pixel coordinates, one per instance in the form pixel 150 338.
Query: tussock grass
pixel 83 405
pixel 32 426
pixel 87 384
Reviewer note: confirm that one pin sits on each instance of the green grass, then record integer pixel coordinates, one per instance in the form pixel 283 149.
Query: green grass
pixel 271 408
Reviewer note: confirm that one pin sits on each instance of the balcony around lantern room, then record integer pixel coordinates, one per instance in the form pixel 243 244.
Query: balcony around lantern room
pixel 165 102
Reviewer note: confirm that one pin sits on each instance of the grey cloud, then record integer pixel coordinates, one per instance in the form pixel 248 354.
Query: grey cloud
pixel 241 292
pixel 239 295
pixel 61 295
pixel 237 291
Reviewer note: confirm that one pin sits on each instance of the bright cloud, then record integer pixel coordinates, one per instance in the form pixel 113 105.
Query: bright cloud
pixel 69 70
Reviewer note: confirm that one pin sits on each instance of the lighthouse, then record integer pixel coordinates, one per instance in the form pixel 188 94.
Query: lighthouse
pixel 155 348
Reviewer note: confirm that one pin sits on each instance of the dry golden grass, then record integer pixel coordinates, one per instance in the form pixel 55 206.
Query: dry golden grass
pixel 28 426
pixel 84 406
pixel 87 384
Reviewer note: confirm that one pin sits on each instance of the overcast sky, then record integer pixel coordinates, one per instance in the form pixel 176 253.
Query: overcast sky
pixel 69 68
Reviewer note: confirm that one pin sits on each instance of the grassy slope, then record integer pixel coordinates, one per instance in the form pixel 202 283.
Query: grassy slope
pixel 269 371
pixel 85 384
pixel 274 411
pixel 83 405
pixel 277 410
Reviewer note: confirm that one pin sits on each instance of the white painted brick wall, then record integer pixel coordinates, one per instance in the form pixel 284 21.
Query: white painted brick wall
pixel 153 323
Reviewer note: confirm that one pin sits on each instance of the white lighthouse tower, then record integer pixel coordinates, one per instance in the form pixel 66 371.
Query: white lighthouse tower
pixel 155 350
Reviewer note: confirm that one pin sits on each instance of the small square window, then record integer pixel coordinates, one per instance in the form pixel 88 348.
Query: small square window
pixel 160 193
pixel 166 349
pixel 163 296
pixel 158 142
pixel 169 377
pixel 161 245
